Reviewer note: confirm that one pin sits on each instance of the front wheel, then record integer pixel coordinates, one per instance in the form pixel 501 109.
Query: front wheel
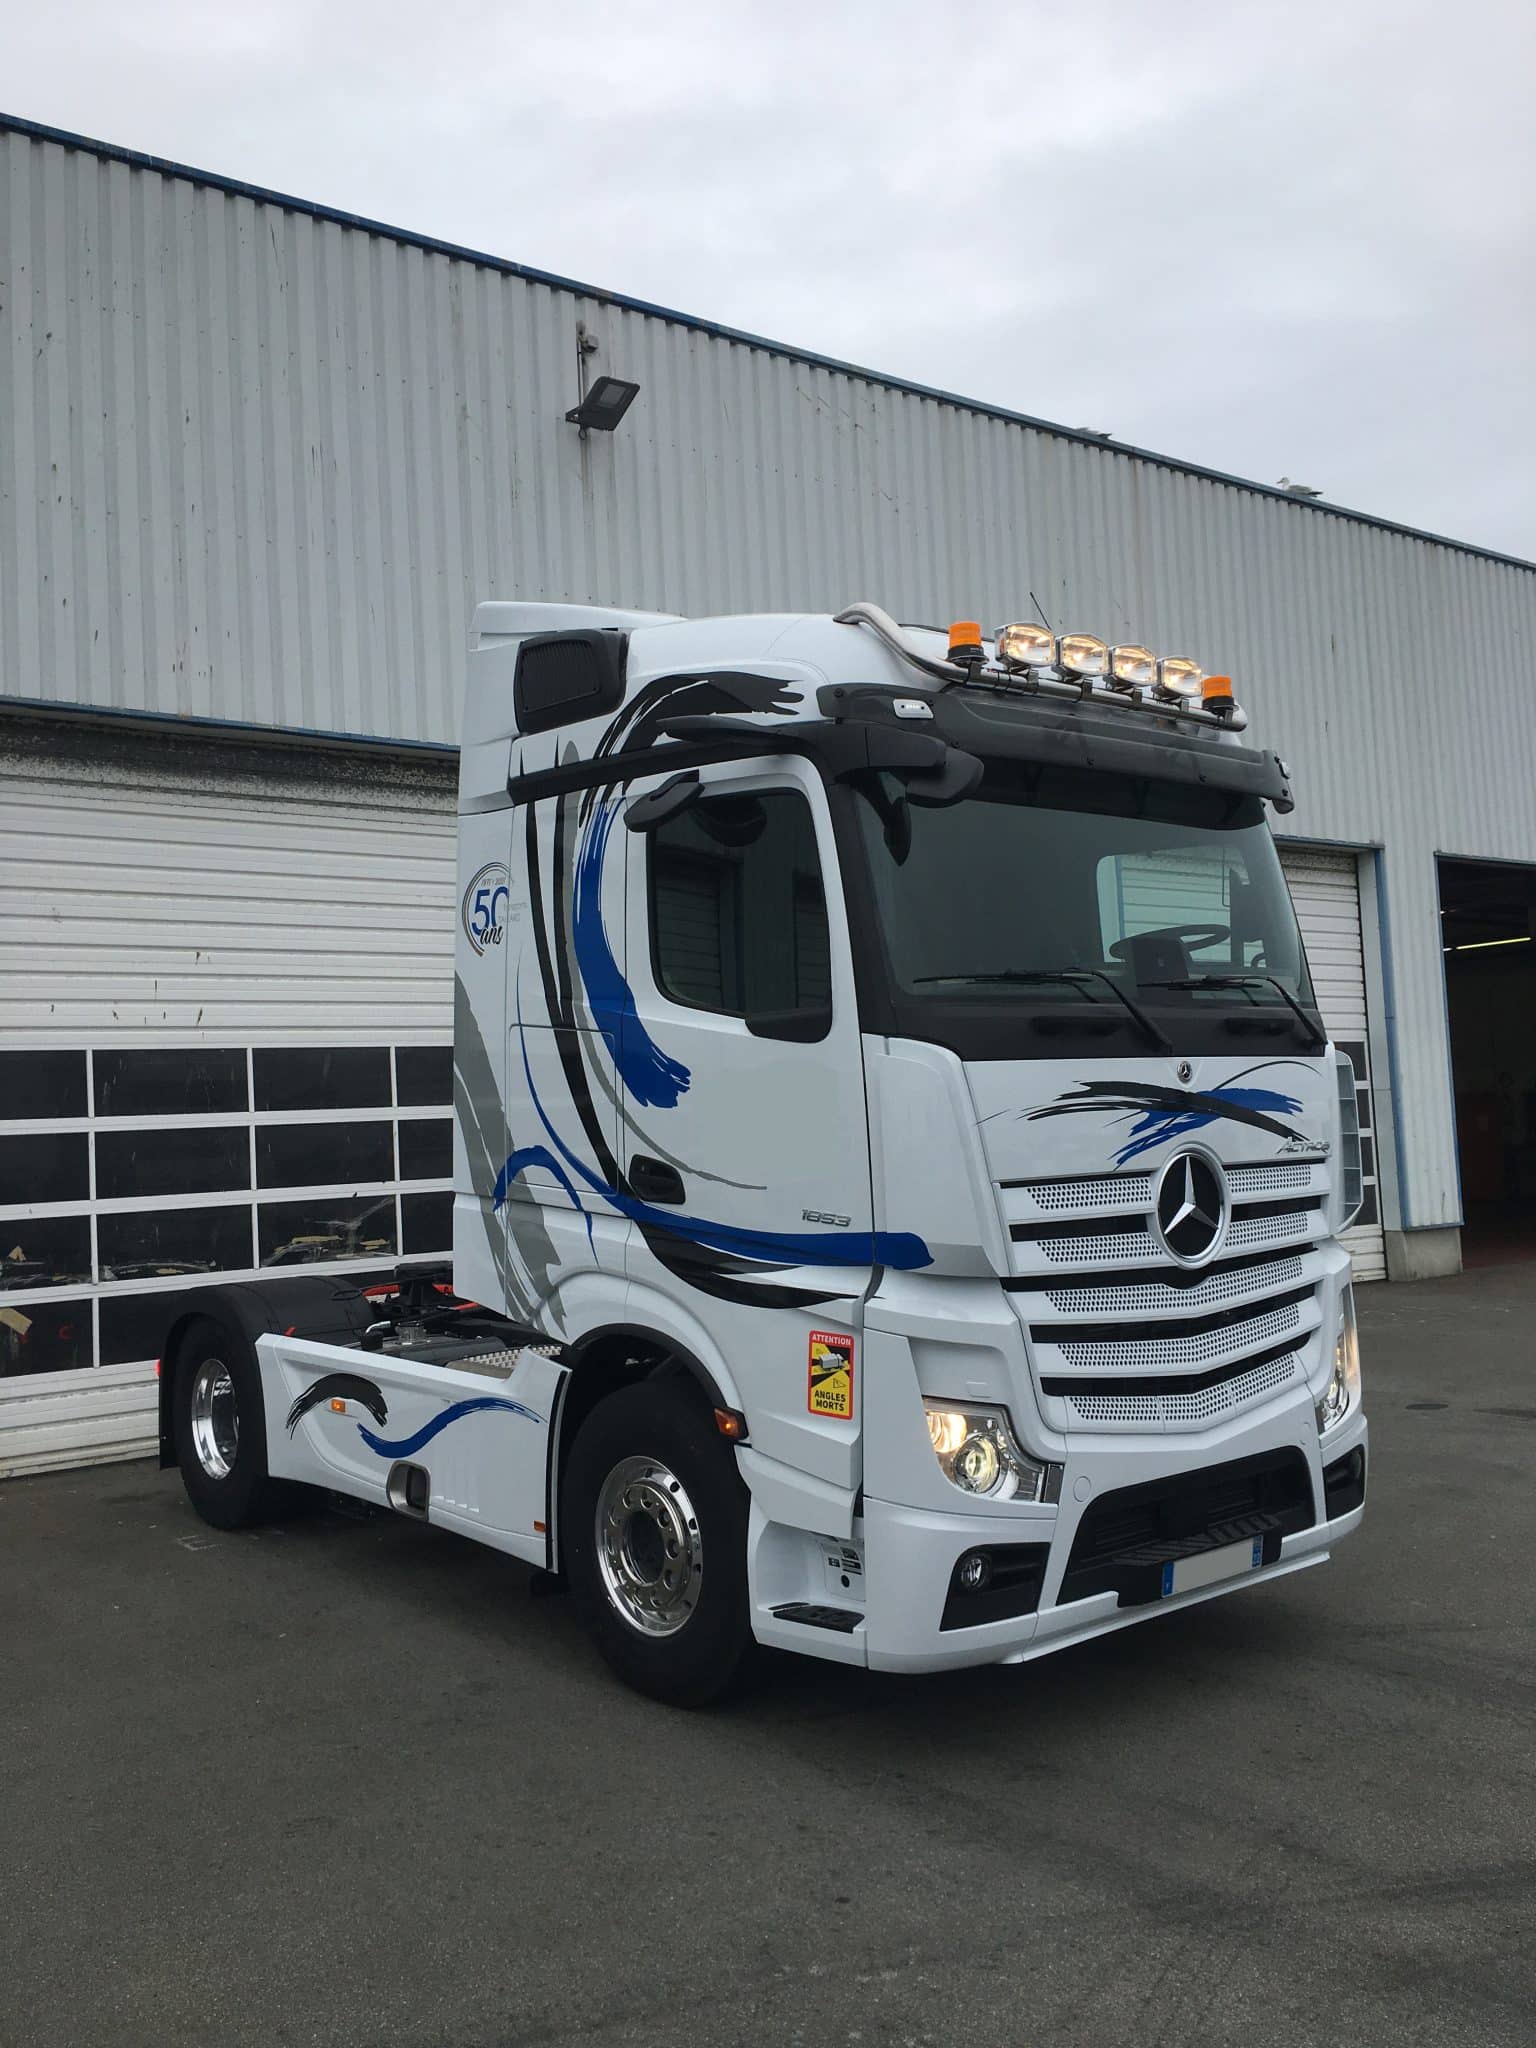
pixel 655 1539
pixel 221 1434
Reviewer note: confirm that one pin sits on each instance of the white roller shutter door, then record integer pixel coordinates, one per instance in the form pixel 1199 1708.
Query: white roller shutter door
pixel 225 1021
pixel 1325 887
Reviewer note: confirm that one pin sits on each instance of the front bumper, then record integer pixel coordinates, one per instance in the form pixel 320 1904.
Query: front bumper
pixel 911 1553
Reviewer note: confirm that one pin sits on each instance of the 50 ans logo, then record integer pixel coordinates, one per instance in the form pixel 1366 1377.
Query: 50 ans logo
pixel 484 909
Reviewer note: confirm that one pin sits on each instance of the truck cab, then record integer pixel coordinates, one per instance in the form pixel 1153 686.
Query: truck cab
pixel 899 1164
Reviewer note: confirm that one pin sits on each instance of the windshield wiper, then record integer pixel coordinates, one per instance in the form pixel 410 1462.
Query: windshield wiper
pixel 1317 1038
pixel 1070 977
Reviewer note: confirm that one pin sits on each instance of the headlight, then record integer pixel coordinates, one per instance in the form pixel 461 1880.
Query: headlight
pixel 977 1452
pixel 1342 1392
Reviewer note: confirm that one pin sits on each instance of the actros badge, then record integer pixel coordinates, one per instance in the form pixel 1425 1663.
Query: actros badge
pixel 484 907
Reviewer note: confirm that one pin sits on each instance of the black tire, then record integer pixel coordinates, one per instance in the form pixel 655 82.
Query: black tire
pixel 705 1654
pixel 244 1493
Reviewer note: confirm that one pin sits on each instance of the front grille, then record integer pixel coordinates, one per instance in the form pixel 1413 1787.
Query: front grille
pixel 1097 1191
pixel 1185 1409
pixel 1128 1240
pixel 1142 1348
pixel 1273 1176
pixel 1274 1223
pixel 1172 1290
pixel 1099 1247
pixel 1125 1538
pixel 1184 1346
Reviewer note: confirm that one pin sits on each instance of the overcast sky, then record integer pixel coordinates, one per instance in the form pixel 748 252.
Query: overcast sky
pixel 1291 240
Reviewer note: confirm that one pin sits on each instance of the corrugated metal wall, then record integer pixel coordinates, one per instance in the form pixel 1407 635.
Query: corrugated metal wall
pixel 260 465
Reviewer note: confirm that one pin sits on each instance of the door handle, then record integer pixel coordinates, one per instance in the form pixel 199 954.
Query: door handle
pixel 654 1181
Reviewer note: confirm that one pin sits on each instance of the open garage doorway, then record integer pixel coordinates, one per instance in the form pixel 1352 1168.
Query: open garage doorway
pixel 1488 932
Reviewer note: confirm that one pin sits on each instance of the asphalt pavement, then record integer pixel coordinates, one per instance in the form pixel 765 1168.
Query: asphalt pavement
pixel 346 1783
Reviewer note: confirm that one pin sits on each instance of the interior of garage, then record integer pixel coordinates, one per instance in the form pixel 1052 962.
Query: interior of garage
pixel 1488 933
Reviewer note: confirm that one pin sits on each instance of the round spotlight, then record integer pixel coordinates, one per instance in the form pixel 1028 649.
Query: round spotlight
pixel 1178 680
pixel 1083 655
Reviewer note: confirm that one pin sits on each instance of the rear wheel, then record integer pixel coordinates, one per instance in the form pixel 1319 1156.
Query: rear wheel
pixel 221 1431
pixel 655 1542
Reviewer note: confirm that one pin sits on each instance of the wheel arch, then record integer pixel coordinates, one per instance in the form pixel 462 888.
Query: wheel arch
pixel 613 1356
pixel 299 1304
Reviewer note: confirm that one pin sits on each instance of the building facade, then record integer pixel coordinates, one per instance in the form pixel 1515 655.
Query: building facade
pixel 257 463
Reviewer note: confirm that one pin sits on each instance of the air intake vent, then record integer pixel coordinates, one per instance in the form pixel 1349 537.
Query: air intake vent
pixel 1349 1139
pixel 564 677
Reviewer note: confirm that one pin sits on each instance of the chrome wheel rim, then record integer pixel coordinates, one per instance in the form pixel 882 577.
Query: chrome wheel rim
pixel 215 1418
pixel 650 1548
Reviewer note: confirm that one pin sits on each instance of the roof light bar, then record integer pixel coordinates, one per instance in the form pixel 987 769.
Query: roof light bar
pixel 1135 667
pixel 965 642
pixel 1026 646
pixel 1084 656
pixel 1178 679
pixel 1077 665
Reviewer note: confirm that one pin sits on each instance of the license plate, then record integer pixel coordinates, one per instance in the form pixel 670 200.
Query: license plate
pixel 1186 1573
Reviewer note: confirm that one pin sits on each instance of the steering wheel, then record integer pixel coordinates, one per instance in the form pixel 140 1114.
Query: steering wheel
pixel 1195 936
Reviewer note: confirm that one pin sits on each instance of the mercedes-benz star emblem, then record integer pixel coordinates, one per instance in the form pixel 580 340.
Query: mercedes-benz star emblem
pixel 1191 1207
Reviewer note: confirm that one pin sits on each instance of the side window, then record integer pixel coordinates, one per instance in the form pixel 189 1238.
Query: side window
pixel 738 914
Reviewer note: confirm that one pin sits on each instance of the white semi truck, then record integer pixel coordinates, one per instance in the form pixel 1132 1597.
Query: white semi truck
pixel 899 1168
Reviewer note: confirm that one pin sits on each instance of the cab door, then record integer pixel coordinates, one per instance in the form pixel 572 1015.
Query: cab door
pixel 745 1134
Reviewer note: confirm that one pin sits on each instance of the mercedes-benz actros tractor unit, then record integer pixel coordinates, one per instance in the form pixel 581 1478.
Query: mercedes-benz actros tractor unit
pixel 899 1167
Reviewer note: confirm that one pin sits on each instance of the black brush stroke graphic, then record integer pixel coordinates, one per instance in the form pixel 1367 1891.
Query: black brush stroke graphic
pixel 339 1386
pixel 716 1273
pixel 709 1272
pixel 567 1037
pixel 635 727
pixel 1133 1095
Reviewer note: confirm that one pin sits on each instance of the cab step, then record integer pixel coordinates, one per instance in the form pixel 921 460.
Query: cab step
pixel 809 1615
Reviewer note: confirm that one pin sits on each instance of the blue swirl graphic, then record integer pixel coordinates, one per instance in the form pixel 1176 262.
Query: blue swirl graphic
pixel 652 1076
pixel 1157 1126
pixel 902 1250
pixel 407 1446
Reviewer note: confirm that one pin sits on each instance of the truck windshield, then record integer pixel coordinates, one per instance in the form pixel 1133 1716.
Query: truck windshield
pixel 1058 894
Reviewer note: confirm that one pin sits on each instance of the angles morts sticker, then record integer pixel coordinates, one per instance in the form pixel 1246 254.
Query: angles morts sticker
pixel 484 909
pixel 829 1379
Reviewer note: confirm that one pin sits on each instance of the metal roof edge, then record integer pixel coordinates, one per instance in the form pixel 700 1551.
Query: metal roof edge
pixel 194 725
pixel 237 188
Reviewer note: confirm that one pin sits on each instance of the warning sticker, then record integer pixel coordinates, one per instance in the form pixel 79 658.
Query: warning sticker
pixel 829 1384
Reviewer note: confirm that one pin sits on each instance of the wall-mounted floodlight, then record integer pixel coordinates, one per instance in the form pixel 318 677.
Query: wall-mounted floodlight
pixel 604 405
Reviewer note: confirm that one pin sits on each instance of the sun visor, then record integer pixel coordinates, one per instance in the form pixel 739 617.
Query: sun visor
pixel 1014 726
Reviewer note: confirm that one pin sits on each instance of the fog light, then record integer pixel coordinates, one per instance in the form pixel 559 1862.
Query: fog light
pixel 973 1571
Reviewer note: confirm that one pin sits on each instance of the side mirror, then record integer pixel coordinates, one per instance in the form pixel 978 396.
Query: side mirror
pixel 799 1027
pixel 661 805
